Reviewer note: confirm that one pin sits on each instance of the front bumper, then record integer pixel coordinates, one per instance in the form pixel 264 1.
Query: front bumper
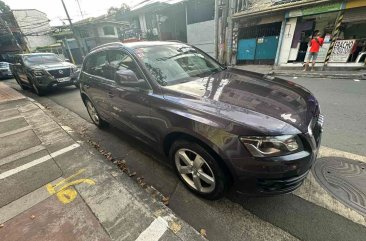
pixel 48 82
pixel 6 74
pixel 278 175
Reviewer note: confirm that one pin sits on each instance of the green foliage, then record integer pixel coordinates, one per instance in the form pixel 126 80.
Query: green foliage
pixel 3 7
pixel 121 10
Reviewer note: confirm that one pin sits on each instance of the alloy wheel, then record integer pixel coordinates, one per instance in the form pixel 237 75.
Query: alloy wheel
pixel 194 170
pixel 92 112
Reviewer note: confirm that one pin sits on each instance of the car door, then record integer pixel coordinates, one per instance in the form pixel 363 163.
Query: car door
pixel 20 69
pixel 95 83
pixel 130 105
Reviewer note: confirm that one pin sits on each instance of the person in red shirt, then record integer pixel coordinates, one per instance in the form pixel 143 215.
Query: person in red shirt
pixel 315 44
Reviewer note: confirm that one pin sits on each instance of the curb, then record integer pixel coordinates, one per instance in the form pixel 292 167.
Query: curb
pixel 320 75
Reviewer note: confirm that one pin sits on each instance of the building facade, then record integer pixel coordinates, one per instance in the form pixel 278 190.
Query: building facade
pixel 11 40
pixel 34 26
pixel 278 32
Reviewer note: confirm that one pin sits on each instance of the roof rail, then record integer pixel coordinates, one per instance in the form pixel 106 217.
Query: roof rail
pixel 107 44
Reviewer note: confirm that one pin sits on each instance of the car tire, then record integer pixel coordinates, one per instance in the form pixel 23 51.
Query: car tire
pixel 17 79
pixel 38 90
pixel 198 170
pixel 94 115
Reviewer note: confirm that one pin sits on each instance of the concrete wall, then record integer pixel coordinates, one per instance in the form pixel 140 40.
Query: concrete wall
pixel 287 40
pixel 33 22
pixel 202 35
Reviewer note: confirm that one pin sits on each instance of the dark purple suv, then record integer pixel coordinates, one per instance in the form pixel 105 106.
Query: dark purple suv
pixel 220 127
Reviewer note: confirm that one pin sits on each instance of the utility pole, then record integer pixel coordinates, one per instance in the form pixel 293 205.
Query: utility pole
pixel 69 51
pixel 229 39
pixel 81 12
pixel 216 30
pixel 73 31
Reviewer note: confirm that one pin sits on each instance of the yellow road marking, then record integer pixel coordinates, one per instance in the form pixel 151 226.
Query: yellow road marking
pixel 66 193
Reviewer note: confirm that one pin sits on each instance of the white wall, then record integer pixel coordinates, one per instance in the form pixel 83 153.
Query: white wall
pixel 287 40
pixel 34 22
pixel 202 36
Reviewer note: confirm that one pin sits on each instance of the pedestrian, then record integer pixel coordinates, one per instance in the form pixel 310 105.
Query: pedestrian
pixel 315 44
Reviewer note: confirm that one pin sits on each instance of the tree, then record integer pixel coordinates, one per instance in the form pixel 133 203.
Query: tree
pixel 3 7
pixel 121 10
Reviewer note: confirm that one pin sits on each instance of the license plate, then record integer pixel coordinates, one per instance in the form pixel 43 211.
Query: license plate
pixel 64 79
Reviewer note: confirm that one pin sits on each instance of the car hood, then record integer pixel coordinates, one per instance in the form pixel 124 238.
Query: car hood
pixel 51 66
pixel 241 95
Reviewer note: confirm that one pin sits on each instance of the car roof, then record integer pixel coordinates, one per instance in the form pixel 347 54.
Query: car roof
pixel 31 54
pixel 138 44
pixel 141 44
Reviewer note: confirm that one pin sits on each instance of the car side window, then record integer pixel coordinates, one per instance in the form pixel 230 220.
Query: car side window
pixel 96 64
pixel 118 60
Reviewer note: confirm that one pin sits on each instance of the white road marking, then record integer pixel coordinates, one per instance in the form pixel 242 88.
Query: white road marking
pixel 21 154
pixel 37 161
pixel 155 231
pixel 11 118
pixel 15 131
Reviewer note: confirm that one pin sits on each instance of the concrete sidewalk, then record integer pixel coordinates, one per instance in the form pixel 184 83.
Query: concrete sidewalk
pixel 55 187
pixel 298 72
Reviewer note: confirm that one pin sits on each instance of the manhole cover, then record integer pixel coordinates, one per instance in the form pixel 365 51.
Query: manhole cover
pixel 345 179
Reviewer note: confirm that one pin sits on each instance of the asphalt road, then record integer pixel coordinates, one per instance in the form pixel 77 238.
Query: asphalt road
pixel 343 104
pixel 286 217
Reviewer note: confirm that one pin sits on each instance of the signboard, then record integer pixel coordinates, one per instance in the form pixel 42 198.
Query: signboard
pixel 322 53
pixel 341 51
pixel 355 4
pixel 324 8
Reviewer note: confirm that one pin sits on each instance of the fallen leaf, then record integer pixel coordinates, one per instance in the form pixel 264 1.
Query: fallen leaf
pixel 175 227
pixel 203 232
pixel 132 174
pixel 33 217
pixel 165 200
pixel 1 225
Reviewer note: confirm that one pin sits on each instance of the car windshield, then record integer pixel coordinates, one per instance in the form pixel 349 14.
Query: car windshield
pixel 41 59
pixel 4 65
pixel 174 64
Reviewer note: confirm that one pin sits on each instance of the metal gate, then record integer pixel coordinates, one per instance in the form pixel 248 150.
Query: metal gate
pixel 246 49
pixel 266 48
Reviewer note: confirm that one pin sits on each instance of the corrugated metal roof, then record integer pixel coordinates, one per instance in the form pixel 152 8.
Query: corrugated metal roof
pixel 151 2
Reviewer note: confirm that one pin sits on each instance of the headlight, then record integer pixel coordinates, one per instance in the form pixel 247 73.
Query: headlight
pixel 38 72
pixel 264 146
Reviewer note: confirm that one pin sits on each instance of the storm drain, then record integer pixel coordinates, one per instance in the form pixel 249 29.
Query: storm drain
pixel 345 179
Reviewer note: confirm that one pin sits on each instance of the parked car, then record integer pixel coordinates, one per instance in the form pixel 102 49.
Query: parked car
pixel 43 71
pixel 5 71
pixel 220 127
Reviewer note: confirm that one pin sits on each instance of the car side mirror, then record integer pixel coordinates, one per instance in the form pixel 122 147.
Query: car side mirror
pixel 128 78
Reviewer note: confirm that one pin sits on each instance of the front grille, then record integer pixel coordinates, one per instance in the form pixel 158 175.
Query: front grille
pixel 60 73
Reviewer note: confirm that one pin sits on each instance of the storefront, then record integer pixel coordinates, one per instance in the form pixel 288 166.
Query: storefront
pixel 301 24
pixel 258 40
